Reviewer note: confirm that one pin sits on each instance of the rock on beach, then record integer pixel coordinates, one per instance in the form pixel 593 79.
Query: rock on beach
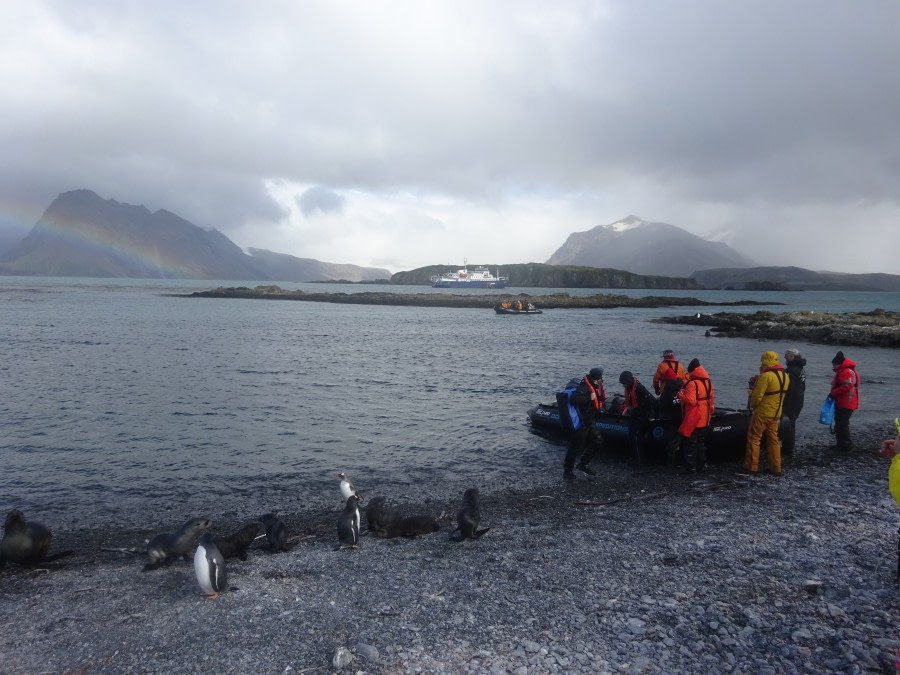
pixel 634 571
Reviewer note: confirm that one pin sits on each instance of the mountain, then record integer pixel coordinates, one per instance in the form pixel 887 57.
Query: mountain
pixel 83 235
pixel 284 267
pixel 794 279
pixel 637 246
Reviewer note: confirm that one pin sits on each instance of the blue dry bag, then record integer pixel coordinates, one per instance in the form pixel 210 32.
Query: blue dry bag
pixel 568 412
pixel 826 414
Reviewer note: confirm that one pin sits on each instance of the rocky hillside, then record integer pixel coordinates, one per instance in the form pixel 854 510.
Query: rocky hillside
pixel 83 235
pixel 794 279
pixel 642 247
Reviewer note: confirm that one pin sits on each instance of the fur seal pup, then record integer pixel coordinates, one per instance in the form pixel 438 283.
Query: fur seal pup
pixel 166 548
pixel 276 532
pixel 347 487
pixel 409 527
pixel 26 542
pixel 377 517
pixel 469 516
pixel 235 545
pixel 348 524
pixel 209 566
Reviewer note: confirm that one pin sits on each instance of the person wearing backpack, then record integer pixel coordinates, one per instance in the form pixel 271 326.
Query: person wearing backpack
pixel 767 403
pixel 845 392
pixel 588 398
pixel 794 365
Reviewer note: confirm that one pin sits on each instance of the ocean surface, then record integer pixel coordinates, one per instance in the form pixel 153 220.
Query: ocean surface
pixel 122 403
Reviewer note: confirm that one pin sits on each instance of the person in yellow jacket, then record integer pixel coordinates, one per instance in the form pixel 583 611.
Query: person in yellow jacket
pixel 766 402
pixel 891 448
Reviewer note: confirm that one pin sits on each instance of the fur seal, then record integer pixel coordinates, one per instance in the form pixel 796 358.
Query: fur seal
pixel 377 517
pixel 166 548
pixel 347 487
pixel 235 545
pixel 348 524
pixel 276 532
pixel 24 542
pixel 209 566
pixel 409 527
pixel 469 516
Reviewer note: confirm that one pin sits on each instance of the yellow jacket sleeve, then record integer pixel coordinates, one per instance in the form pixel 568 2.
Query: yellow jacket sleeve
pixel 894 478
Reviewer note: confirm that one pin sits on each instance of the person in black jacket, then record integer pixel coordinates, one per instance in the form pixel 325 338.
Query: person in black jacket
pixel 589 397
pixel 670 409
pixel 640 405
pixel 793 399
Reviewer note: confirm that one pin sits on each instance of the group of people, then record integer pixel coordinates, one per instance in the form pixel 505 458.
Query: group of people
pixel 687 397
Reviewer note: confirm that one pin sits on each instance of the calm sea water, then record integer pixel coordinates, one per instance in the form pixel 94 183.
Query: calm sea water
pixel 121 401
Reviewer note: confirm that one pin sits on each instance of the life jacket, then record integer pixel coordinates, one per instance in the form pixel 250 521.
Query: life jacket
pixel 697 405
pixel 568 411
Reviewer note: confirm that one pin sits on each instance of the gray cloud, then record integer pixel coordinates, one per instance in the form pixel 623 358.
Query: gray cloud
pixel 318 199
pixel 707 115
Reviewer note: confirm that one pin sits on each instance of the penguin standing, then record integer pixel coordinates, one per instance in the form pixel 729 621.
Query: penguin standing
pixel 348 524
pixel 347 487
pixel 209 566
pixel 469 516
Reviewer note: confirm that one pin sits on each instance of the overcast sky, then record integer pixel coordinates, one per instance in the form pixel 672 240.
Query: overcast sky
pixel 405 133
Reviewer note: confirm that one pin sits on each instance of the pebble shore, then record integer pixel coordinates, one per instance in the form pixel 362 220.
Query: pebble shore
pixel 632 571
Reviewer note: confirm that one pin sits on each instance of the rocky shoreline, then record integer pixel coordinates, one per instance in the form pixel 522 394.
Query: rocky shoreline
pixel 632 571
pixel 550 301
pixel 878 328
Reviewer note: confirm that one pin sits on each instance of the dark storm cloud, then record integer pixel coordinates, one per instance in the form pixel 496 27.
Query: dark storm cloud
pixel 318 199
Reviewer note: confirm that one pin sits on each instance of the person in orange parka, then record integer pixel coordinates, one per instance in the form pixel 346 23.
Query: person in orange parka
pixel 767 402
pixel 845 392
pixel 698 403
pixel 668 363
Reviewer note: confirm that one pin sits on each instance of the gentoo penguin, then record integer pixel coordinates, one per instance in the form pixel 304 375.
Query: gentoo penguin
pixel 348 524
pixel 209 566
pixel 166 548
pixel 347 488
pixel 235 545
pixel 276 532
pixel 26 543
pixel 469 515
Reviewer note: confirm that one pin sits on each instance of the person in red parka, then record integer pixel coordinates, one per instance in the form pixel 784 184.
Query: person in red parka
pixel 698 403
pixel 845 392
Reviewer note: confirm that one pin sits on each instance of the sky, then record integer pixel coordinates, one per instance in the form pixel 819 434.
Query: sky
pixel 406 133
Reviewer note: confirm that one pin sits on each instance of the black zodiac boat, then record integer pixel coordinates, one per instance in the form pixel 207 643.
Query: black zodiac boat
pixel 727 431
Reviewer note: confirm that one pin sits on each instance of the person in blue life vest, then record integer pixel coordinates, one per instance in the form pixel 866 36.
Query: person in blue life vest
pixel 589 398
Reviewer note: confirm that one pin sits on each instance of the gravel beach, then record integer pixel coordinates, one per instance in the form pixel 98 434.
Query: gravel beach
pixel 634 570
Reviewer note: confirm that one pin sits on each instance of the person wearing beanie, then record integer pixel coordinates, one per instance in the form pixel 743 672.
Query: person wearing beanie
pixel 670 409
pixel 794 365
pixel 845 392
pixel 669 362
pixel 697 404
pixel 766 402
pixel 589 397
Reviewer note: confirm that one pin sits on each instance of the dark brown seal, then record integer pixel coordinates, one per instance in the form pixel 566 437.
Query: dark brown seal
pixel 25 543
pixel 166 548
pixel 469 516
pixel 377 516
pixel 235 545
pixel 276 532
pixel 411 526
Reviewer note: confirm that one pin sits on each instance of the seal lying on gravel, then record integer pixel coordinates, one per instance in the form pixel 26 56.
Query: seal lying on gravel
pixel 235 545
pixel 26 543
pixel 166 548
pixel 276 532
pixel 469 516
pixel 377 517
pixel 411 526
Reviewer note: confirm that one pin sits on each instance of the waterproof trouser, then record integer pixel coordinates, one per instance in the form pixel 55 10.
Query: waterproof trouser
pixel 842 428
pixel 763 427
pixel 695 449
pixel 789 437
pixel 587 439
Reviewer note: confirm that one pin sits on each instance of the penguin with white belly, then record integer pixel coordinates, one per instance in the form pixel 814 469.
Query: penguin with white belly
pixel 209 566
pixel 348 524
